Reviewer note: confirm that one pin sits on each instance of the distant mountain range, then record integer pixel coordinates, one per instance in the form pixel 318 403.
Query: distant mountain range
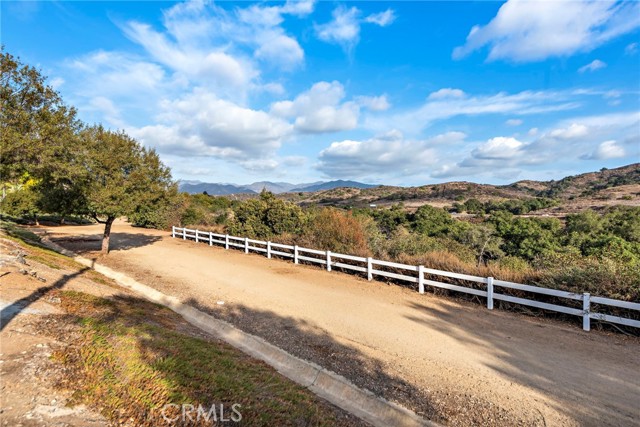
pixel 218 189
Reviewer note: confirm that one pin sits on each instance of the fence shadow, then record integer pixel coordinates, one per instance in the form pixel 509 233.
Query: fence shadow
pixel 557 360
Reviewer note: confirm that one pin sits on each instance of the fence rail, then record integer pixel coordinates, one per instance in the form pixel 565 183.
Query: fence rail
pixel 416 274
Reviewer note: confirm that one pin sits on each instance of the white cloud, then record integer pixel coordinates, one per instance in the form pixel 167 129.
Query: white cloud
pixel 207 42
pixel 514 122
pixel 344 29
pixel 525 31
pixel 272 88
pixel 607 150
pixel 532 132
pixel 294 161
pixel 212 67
pixel 562 143
pixel 298 7
pixel 447 103
pixel 201 124
pixel 382 19
pixel 594 65
pixel 374 103
pixel 108 110
pixel 389 154
pixel 114 74
pixel 573 131
pixel 320 109
pixel 447 92
pixel 499 148
pixel 631 49
pixel 260 165
pixel 56 83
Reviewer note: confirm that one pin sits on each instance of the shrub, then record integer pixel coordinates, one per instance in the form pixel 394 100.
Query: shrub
pixel 337 231
pixel 266 217
pixel 598 275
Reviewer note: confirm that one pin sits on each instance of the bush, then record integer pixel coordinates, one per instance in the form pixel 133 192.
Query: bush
pixel 601 276
pixel 266 217
pixel 337 231
pixel 514 264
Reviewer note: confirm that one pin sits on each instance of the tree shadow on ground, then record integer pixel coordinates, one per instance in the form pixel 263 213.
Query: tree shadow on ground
pixel 87 243
pixel 591 377
pixel 311 343
pixel 139 362
pixel 12 310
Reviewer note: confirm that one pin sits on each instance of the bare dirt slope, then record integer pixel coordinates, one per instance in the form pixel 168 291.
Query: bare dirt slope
pixel 452 362
pixel 29 395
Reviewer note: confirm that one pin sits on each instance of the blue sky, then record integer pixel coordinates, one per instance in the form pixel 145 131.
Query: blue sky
pixel 404 93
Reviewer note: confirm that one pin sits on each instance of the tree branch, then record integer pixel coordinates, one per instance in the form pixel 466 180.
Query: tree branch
pixel 95 216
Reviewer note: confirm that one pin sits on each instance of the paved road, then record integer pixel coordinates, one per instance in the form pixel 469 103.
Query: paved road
pixel 452 362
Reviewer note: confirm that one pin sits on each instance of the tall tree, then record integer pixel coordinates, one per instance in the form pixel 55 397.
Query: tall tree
pixel 36 128
pixel 122 176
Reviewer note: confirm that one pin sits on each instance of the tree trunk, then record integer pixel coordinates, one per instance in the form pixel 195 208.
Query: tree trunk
pixel 35 218
pixel 107 234
pixel 62 220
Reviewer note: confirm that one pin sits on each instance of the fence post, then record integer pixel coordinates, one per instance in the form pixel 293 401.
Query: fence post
pixel 184 233
pixel 197 236
pixel 173 231
pixel 269 250
pixel 369 268
pixel 328 260
pixel 490 293
pixel 210 238
pixel 586 307
pixel 246 245
pixel 226 241
pixel 421 279
pixel 295 254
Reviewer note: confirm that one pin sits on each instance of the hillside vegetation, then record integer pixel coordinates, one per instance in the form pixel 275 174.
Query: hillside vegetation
pixel 572 194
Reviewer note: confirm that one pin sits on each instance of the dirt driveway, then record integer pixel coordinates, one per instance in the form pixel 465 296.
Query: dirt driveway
pixel 452 362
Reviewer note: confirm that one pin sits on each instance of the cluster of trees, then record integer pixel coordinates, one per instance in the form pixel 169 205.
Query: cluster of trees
pixel 515 206
pixel 53 163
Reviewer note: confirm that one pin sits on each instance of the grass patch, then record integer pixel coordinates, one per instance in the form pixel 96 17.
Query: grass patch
pixel 46 260
pixel 17 232
pixel 131 357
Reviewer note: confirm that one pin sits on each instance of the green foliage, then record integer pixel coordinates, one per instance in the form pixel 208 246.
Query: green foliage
pixel 528 238
pixel 404 242
pixel 482 239
pixel 22 202
pixel 390 219
pixel 77 170
pixel 161 211
pixel 266 216
pixel 514 206
pixel 432 221
pixel 35 124
pixel 599 275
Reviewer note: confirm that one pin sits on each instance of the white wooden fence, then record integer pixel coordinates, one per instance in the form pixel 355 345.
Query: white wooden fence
pixel 416 274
